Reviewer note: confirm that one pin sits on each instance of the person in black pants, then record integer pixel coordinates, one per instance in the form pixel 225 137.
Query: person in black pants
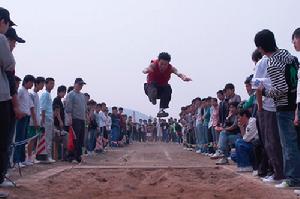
pixel 157 86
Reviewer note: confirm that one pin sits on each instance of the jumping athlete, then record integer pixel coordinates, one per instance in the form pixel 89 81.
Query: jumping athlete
pixel 157 86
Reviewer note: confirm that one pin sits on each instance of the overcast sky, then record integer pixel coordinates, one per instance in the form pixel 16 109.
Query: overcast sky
pixel 109 43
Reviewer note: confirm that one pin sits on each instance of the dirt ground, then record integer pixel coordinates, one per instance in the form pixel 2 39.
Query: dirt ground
pixel 141 171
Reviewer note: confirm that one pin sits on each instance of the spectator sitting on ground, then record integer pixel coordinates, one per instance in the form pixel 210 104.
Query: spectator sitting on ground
pixel 244 146
pixel 229 134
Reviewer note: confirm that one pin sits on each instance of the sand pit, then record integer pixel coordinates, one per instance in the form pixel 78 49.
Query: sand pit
pixel 146 174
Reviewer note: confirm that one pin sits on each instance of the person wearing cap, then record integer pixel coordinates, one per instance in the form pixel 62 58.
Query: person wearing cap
pixel 157 86
pixel 8 97
pixel 13 38
pixel 76 107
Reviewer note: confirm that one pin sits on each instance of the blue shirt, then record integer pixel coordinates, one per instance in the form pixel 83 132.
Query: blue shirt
pixel 46 105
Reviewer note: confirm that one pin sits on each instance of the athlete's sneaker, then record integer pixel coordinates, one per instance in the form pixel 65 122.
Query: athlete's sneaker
pixel 162 113
pixel 297 192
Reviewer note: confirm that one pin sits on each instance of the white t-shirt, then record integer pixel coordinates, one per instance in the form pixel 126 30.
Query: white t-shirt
pixel 37 109
pixel 251 130
pixel 102 119
pixel 261 72
pixel 25 101
pixel 108 123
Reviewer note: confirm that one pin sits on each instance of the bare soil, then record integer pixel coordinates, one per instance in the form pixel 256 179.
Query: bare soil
pixel 142 171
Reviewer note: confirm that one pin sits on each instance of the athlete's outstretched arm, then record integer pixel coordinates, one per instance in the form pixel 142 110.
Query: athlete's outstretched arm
pixel 180 75
pixel 149 69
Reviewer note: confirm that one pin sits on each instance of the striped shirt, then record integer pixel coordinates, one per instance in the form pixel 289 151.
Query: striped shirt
pixel 280 91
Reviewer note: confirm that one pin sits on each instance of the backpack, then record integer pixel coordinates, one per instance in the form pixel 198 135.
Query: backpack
pixel 291 78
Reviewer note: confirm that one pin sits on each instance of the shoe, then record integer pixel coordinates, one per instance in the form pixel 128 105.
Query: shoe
pixel 90 153
pixel 20 165
pixel 270 179
pixel 7 184
pixel 35 161
pixel 297 192
pixel 198 151
pixel 255 173
pixel 27 163
pixel 211 155
pixel 217 155
pixel 3 195
pixel 244 169
pixel 50 160
pixel 162 113
pixel 222 161
pixel 283 185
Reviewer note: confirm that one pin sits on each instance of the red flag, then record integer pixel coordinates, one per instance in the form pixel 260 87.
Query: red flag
pixel 71 138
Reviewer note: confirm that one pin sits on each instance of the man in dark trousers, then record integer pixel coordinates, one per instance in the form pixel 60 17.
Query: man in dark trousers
pixel 157 86
pixel 8 97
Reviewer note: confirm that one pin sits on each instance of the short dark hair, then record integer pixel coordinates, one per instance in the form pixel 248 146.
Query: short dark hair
pixel 49 79
pixel 114 108
pixel 248 79
pixel 39 80
pixel 256 55
pixel 5 15
pixel 87 95
pixel 17 79
pixel 265 39
pixel 296 33
pixel 235 104
pixel 220 92
pixel 215 99
pixel 197 99
pixel 245 112
pixel 92 103
pixel 61 88
pixel 229 86
pixel 208 99
pixel 99 105
pixel 28 78
pixel 70 89
pixel 164 56
pixel 121 109
pixel 103 104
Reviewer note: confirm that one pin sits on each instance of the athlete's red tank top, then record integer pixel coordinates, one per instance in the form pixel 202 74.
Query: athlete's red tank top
pixel 158 77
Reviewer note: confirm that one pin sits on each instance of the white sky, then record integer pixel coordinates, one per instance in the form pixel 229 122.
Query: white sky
pixel 109 43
